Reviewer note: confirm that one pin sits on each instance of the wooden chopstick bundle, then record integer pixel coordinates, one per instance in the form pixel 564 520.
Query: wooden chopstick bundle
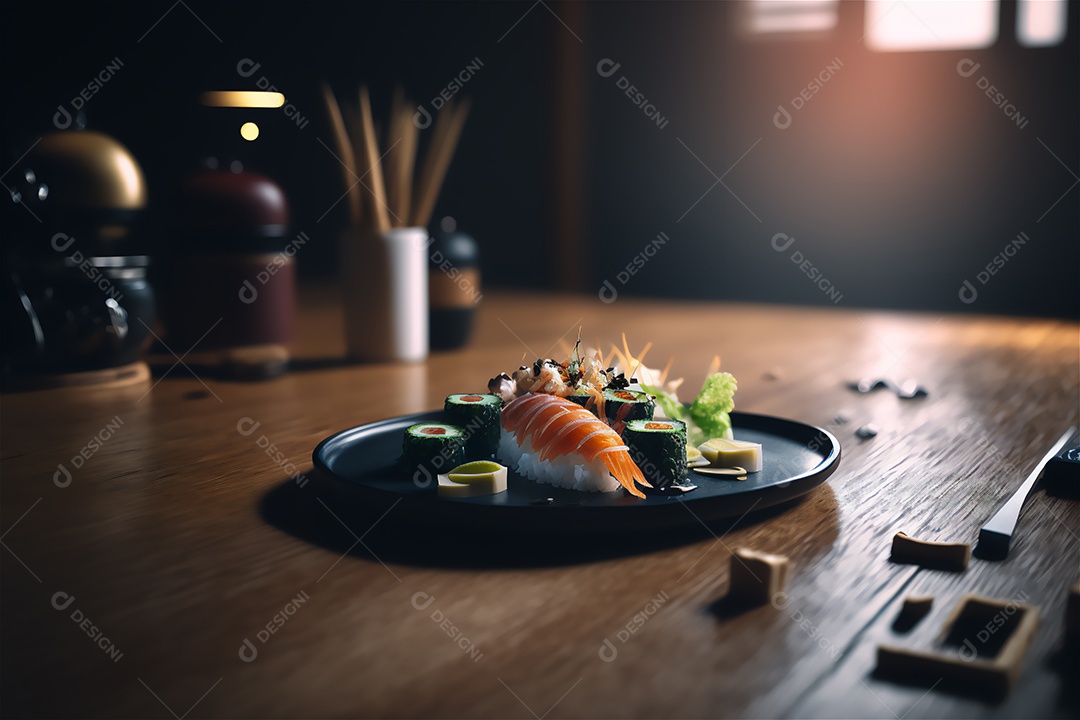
pixel 437 161
pixel 392 201
pixel 401 157
pixel 348 157
pixel 373 162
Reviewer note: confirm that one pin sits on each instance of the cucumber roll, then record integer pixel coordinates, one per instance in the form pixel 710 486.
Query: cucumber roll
pixel 479 416
pixel 432 448
pixel 659 449
pixel 627 405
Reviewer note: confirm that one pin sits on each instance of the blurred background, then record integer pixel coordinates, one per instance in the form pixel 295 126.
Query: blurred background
pixel 857 153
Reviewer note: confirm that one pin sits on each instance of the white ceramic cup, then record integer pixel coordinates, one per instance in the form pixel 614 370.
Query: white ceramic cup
pixel 385 295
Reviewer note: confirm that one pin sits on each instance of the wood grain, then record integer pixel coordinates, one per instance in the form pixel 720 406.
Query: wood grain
pixel 181 537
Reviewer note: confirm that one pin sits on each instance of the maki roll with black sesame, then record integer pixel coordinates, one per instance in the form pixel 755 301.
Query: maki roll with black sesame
pixel 627 405
pixel 479 416
pixel 432 448
pixel 659 449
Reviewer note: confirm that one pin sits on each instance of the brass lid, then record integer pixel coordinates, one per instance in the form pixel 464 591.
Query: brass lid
pixel 88 170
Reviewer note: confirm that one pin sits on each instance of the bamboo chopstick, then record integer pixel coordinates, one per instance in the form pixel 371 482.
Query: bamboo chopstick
pixel 374 164
pixel 437 162
pixel 427 170
pixel 348 157
pixel 357 138
pixel 409 138
pixel 400 157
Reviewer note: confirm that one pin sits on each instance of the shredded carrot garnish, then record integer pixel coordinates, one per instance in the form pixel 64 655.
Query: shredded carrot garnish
pixel 629 360
pixel 641 358
pixel 667 369
pixel 626 349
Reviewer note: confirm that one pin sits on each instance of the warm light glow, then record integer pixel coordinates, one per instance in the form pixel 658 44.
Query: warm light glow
pixel 931 24
pixel 1041 23
pixel 249 131
pixel 782 16
pixel 243 99
pixel 130 175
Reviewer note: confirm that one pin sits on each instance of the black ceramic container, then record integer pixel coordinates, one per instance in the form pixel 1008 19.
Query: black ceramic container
pixel 453 286
pixel 232 278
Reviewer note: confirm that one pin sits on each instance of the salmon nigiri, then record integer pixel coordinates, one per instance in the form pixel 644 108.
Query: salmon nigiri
pixel 555 441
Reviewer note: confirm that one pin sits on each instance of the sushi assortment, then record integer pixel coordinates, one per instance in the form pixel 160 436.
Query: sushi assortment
pixel 553 440
pixel 582 425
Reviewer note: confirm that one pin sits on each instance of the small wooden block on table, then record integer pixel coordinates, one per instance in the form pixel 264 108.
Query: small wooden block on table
pixel 927 554
pixel 756 577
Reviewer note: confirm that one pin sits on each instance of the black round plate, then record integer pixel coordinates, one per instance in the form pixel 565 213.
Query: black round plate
pixel 797 458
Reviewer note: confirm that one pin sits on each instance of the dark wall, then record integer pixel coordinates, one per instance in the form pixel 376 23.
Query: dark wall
pixel 898 180
pixel 496 187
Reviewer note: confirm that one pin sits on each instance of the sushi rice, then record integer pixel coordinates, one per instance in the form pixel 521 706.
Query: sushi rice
pixel 566 471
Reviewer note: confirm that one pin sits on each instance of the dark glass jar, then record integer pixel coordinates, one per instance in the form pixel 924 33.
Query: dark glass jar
pixel 75 296
pixel 77 314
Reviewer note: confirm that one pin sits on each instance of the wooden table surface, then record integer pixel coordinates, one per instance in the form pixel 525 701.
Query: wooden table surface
pixel 179 538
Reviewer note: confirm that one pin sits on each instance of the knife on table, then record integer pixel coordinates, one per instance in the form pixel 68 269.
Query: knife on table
pixel 994 536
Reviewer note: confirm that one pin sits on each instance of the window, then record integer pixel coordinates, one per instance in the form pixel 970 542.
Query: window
pixel 905 25
pixel 790 16
pixel 931 24
pixel 1041 23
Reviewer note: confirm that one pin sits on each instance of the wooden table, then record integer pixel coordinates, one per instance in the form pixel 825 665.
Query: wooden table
pixel 180 537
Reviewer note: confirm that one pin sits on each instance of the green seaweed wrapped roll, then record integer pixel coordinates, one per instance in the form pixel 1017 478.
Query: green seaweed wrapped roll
pixel 628 405
pixel 479 416
pixel 659 449
pixel 432 448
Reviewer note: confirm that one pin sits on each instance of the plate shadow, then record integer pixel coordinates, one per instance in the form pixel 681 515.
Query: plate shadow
pixel 326 514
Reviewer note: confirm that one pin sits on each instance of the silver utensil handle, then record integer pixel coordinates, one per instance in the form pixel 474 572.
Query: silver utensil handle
pixel 1004 522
